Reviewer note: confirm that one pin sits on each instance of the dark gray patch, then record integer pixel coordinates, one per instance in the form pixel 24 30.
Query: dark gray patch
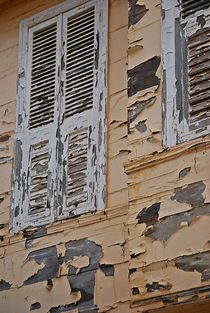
pixel 48 256
pixel 141 126
pixel 61 308
pixel 201 21
pixel 199 262
pixel 84 281
pixel 167 226
pixel 18 161
pixel 131 271
pixel 35 306
pixel 184 172
pixel 68 307
pixel 143 76
pixel 4 285
pixel 136 12
pixel 49 284
pixel 108 270
pixel 4 138
pixel 84 247
pixel 149 215
pixel 135 291
pixel 35 233
pixel 155 286
pixel 17 211
pixel 97 51
pixel 136 109
pixel 191 194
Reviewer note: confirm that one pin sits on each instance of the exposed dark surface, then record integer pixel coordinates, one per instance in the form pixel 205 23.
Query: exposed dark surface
pixel 35 306
pixel 149 215
pixel 191 194
pixel 135 291
pixel 184 172
pixel 199 262
pixel 143 76
pixel 4 285
pixel 136 109
pixel 108 270
pixel 48 256
pixel 136 12
pixel 167 226
pixel 155 286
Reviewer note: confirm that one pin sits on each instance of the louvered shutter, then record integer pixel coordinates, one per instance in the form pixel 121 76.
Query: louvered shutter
pixel 196 31
pixel 35 155
pixel 80 180
pixel 190 7
pixel 59 162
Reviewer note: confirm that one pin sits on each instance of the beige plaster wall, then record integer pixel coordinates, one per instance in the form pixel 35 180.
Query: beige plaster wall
pixel 150 247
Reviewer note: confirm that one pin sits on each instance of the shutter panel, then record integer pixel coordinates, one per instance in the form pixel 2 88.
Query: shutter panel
pixel 38 185
pixel 199 75
pixel 80 63
pixel 35 179
pixel 42 93
pixel 198 57
pixel 77 166
pixel 192 6
pixel 80 115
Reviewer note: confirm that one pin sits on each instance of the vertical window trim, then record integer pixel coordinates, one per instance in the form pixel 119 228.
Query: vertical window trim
pixel 174 131
pixel 16 222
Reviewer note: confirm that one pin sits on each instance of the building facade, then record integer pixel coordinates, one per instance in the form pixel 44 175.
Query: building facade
pixel 131 232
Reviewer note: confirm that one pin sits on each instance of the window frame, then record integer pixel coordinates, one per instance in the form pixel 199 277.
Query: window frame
pixel 176 126
pixel 19 220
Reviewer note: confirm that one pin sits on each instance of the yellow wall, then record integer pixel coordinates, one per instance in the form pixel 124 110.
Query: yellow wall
pixel 154 233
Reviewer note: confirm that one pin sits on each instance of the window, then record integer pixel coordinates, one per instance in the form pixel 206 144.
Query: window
pixel 59 160
pixel 186 69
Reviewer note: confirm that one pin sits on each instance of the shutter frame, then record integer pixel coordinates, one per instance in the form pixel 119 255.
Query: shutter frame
pixel 53 132
pixel 26 138
pixel 176 28
pixel 93 118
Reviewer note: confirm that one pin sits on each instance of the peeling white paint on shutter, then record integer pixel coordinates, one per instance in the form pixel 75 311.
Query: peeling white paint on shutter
pixel 199 75
pixel 83 111
pixel 43 66
pixel 60 145
pixel 77 166
pixel 80 62
pixel 34 173
pixel 186 40
pixel 191 6
pixel 38 184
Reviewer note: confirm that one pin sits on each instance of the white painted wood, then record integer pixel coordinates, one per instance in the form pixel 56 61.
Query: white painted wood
pixel 57 132
pixel 169 8
pixel 175 131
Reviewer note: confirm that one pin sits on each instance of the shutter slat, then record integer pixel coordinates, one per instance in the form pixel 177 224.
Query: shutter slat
pixel 39 178
pixel 43 76
pixel 199 74
pixel 80 63
pixel 192 6
pixel 77 168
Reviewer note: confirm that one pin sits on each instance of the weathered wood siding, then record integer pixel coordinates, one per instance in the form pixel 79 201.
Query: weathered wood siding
pixel 150 248
pixel 168 217
pixel 80 264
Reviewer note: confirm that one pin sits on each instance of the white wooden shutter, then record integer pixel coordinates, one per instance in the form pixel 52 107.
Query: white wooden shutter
pixel 59 163
pixel 197 35
pixel 185 46
pixel 83 113
pixel 190 7
pixel 35 155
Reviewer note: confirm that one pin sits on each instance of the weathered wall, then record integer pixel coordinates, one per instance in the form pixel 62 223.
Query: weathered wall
pixel 150 248
pixel 168 217
pixel 79 265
